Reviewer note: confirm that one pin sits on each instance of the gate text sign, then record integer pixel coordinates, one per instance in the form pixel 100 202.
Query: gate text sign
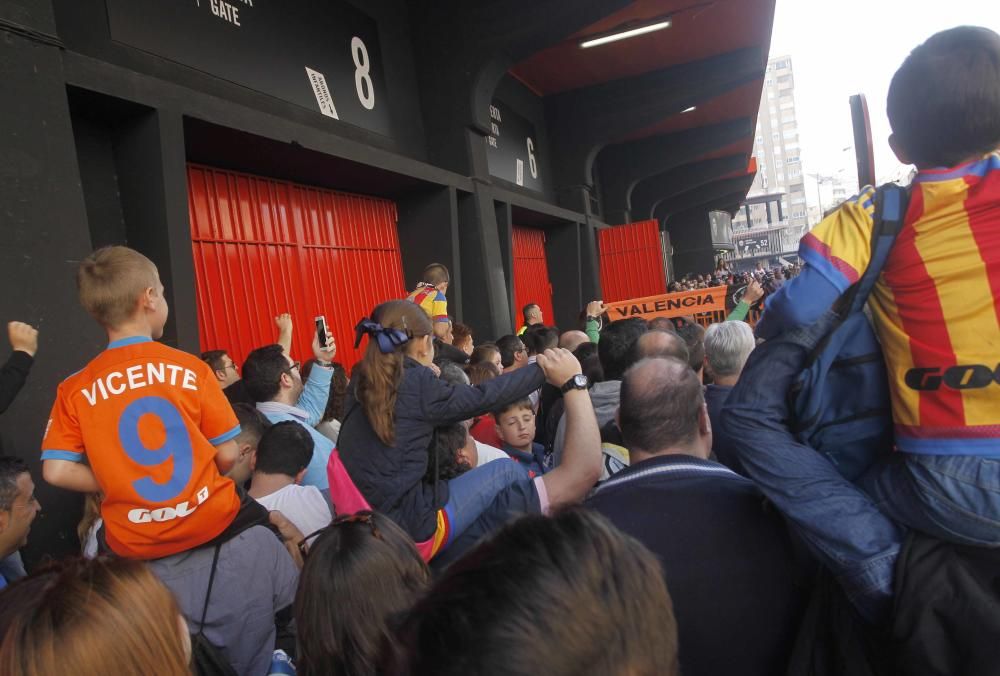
pixel 512 148
pixel 319 54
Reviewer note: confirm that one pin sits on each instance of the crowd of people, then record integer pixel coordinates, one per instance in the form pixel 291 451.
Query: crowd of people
pixel 629 497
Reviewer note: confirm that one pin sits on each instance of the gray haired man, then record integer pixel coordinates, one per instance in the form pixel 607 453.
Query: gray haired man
pixel 727 347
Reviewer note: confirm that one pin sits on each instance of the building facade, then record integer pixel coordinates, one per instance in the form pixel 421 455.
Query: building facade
pixel 775 214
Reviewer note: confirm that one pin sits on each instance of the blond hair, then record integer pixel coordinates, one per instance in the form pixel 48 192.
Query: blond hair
pixel 110 282
pixel 91 617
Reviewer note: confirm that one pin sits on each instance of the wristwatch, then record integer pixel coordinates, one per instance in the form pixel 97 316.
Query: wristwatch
pixel 324 364
pixel 577 382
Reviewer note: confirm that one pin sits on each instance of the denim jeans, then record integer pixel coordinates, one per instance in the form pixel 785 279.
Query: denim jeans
pixel 840 523
pixel 471 493
pixel 954 498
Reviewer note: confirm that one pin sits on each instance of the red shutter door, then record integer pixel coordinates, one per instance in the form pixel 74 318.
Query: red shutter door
pixel 531 274
pixel 631 261
pixel 263 247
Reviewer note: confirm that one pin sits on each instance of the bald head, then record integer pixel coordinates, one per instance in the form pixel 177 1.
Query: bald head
pixel 662 409
pixel 573 339
pixel 659 344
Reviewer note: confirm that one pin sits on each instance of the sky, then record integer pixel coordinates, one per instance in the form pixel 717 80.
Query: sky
pixel 854 46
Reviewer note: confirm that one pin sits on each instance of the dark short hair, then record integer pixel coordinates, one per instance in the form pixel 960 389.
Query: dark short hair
pixel 615 347
pixel 587 582
pixel 694 337
pixel 11 468
pixel 262 372
pixel 286 448
pixel 944 101
pixel 360 573
pixel 445 443
pixel 526 310
pixel 508 345
pixel 214 358
pixel 519 404
pixel 538 338
pixel 661 400
pixel 253 424
pixel 590 362
pixel 435 274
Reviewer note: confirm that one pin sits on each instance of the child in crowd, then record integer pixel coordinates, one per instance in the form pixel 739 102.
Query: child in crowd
pixel 936 306
pixel 150 421
pixel 516 428
pixel 430 296
pixel 283 456
pixel 391 414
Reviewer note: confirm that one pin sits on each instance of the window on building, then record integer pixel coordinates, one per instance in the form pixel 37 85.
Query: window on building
pixel 789 134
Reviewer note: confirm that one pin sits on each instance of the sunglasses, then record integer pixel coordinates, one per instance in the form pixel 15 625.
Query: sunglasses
pixel 360 517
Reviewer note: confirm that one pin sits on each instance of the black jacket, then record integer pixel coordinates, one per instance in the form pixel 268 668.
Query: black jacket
pixel 391 478
pixel 947 615
pixel 13 374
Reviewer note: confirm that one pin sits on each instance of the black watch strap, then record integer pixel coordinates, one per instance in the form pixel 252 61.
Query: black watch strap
pixel 577 382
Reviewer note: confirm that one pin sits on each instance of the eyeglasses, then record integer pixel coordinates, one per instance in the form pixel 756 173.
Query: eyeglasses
pixel 360 517
pixel 293 365
pixel 233 366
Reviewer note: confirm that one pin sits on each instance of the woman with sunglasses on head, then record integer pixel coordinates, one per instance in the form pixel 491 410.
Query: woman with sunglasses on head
pixel 360 572
pixel 390 416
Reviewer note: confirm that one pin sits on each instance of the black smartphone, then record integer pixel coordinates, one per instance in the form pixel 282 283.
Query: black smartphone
pixel 322 333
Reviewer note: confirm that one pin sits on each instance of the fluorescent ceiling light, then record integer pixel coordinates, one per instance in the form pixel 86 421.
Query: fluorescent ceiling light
pixel 688 110
pixel 660 24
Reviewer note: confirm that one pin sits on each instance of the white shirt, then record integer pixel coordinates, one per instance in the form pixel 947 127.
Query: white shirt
pixel 304 506
pixel 489 453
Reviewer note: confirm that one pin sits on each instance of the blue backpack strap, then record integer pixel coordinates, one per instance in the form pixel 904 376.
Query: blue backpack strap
pixel 891 202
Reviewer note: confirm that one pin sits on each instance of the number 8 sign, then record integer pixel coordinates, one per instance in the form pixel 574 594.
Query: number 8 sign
pixel 176 446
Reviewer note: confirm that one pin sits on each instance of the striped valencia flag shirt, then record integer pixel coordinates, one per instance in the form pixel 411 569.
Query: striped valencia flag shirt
pixel 936 306
pixel 433 302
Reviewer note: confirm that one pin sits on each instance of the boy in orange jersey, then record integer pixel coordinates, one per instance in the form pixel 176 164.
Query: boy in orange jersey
pixel 936 310
pixel 151 421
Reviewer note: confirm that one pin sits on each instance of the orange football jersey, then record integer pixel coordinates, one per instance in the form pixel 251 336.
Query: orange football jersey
pixel 147 417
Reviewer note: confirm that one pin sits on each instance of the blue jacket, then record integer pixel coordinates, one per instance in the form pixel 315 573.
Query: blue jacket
pixel 534 461
pixel 391 478
pixel 308 413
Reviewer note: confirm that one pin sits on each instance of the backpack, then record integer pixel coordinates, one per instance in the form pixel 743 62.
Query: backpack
pixel 841 401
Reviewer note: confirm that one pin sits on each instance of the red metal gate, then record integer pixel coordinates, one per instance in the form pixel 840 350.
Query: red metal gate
pixel 263 247
pixel 631 261
pixel 531 274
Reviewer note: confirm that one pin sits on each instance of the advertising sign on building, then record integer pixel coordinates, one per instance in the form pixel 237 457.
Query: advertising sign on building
pixel 322 55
